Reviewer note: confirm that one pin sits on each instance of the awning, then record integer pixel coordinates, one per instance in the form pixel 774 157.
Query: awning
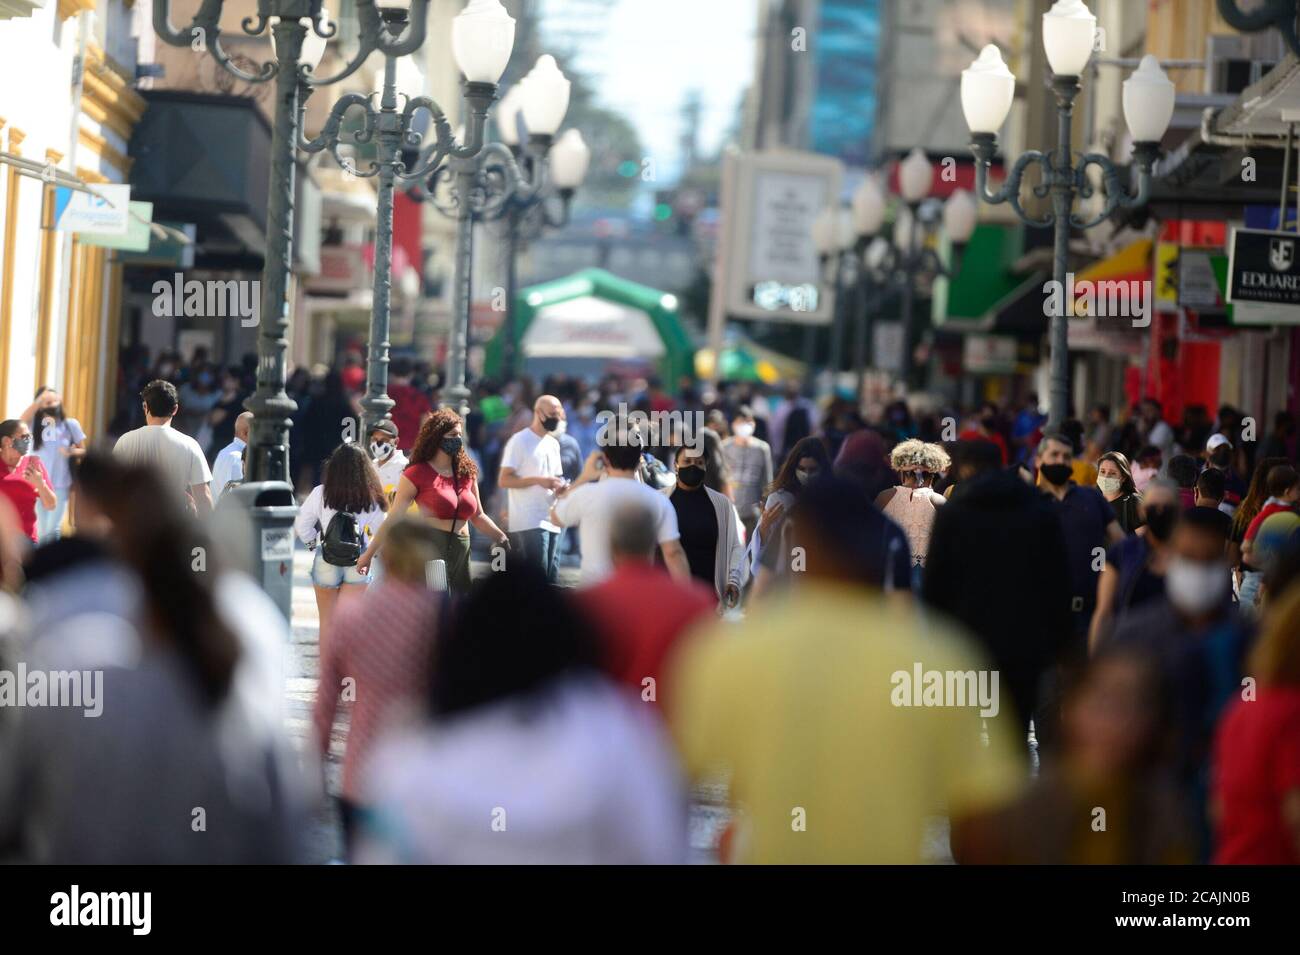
pixel 1114 300
pixel 745 360
pixel 595 314
pixel 1022 312
pixel 984 278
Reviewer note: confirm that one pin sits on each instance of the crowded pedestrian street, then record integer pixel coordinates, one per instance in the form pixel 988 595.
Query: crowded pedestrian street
pixel 583 433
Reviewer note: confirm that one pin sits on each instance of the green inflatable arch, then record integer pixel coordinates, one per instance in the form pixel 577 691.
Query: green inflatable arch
pixel 660 307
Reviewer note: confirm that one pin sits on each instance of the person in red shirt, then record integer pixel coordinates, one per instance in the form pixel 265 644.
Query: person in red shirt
pixel 1283 490
pixel 410 405
pixel 1256 771
pixel 23 479
pixel 639 611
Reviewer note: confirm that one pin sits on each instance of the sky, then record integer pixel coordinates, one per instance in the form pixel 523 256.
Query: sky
pixel 653 52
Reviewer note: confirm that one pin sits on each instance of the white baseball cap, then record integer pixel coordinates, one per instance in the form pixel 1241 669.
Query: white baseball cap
pixel 1217 441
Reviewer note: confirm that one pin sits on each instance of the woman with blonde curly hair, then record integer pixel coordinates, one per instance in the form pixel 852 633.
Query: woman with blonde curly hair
pixel 911 504
pixel 443 482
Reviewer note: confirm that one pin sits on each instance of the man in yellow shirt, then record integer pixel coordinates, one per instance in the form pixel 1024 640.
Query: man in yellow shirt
pixel 846 721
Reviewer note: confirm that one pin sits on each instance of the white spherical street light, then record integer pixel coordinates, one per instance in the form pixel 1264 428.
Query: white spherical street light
pixel 1148 101
pixel 915 176
pixel 482 37
pixel 868 207
pixel 570 158
pixel 876 254
pixel 987 91
pixel 1069 30
pixel 845 234
pixel 823 232
pixel 544 96
pixel 507 116
pixel 904 225
pixel 959 216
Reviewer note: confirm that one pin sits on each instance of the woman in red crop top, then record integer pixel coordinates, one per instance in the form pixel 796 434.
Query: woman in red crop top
pixel 443 482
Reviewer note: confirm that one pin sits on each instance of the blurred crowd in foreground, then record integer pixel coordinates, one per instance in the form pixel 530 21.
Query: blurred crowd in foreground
pixel 872 626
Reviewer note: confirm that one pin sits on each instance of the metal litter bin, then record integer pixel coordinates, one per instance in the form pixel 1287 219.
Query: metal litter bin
pixel 269 507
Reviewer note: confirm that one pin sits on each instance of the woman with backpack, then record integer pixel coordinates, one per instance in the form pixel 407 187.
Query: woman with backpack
pixel 338 520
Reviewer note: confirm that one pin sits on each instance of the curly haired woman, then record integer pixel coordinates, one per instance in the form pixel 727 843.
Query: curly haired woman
pixel 443 482
pixel 912 504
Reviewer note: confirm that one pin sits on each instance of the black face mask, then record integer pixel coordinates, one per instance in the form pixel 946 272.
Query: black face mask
pixel 691 475
pixel 1057 474
pixel 1221 457
pixel 1161 519
pixel 550 424
pixel 452 445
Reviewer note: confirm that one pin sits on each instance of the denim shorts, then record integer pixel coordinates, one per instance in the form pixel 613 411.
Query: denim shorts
pixel 332 577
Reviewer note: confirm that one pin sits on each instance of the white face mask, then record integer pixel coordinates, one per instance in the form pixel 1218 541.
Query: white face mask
pixel 380 450
pixel 744 429
pixel 1195 587
pixel 804 476
pixel 1109 485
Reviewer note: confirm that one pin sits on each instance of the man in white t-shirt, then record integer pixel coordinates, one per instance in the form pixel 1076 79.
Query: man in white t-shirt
pixel 158 445
pixel 531 473
pixel 607 485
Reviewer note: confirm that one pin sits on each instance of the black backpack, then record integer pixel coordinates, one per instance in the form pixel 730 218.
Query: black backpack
pixel 341 545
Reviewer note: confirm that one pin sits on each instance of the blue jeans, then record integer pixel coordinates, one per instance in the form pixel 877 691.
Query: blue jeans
pixel 49 524
pixel 542 547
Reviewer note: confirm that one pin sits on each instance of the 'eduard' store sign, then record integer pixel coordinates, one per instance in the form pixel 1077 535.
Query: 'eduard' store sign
pixel 1264 266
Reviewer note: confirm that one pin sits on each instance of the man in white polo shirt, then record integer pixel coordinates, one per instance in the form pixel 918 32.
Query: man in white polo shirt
pixel 531 474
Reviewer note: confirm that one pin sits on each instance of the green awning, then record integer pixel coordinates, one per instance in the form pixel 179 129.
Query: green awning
pixel 984 278
pixel 595 314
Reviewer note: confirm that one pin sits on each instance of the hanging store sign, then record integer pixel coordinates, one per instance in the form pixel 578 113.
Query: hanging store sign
pixel 1264 269
pixel 106 211
pixel 770 265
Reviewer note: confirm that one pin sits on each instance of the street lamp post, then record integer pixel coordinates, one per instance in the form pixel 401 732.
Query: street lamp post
pixel 877 262
pixel 299 30
pixel 987 91
pixel 392 131
pixel 481 187
pixel 525 217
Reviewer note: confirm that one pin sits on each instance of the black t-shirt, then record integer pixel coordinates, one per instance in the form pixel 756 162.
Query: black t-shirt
pixel 698 524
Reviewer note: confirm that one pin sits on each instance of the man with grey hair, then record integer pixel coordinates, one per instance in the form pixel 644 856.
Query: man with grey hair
pixel 639 611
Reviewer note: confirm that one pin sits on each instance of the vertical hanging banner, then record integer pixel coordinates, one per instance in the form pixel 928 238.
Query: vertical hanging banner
pixel 106 212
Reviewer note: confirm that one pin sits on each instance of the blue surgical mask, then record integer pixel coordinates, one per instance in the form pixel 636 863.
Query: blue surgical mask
pixel 23 445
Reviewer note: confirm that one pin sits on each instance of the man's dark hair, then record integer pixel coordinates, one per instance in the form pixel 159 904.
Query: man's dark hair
pixel 623 455
pixel 1182 470
pixel 514 638
pixel 1211 484
pixel 400 367
pixel 160 398
pixel 1281 479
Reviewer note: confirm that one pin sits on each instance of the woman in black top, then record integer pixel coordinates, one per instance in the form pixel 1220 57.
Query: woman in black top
pixel 1115 481
pixel 697 522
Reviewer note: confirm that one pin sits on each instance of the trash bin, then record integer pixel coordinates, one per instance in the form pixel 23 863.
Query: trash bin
pixel 270 508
